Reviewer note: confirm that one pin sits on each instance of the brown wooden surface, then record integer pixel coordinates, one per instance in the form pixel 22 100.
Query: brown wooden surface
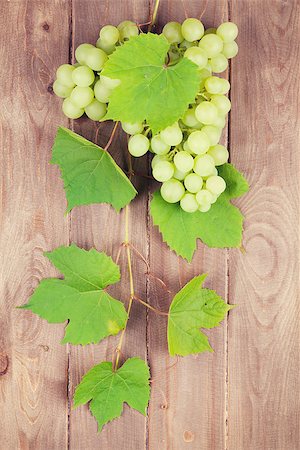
pixel 244 396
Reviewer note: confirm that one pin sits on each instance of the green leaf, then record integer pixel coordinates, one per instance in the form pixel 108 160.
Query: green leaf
pixel 221 226
pixel 192 308
pixel 80 297
pixel 107 390
pixel 89 173
pixel 149 89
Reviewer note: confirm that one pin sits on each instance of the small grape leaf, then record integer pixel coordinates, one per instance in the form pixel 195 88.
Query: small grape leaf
pixel 221 226
pixel 192 308
pixel 107 390
pixel 147 83
pixel 89 173
pixel 80 297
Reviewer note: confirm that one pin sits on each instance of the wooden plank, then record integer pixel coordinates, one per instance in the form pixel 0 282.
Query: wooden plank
pixel 100 226
pixel 264 364
pixel 33 364
pixel 187 408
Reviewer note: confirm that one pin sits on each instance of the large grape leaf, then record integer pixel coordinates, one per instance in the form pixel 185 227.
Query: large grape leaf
pixel 107 390
pixel 81 297
pixel 150 90
pixel 221 226
pixel 192 308
pixel 89 173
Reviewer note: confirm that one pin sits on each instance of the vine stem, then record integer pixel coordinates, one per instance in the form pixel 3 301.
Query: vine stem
pixel 111 138
pixel 157 311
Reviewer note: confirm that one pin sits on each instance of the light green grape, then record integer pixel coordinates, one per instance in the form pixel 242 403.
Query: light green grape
pixel 193 182
pixel 163 171
pixel 95 58
pixel 183 161
pixel 172 191
pixel 132 128
pixel 204 197
pixel 108 49
pixel 214 198
pixel 172 31
pixel 83 76
pixel 64 75
pixel 204 165
pixel 205 208
pixel 95 110
pixel 230 49
pixel 197 56
pixel 220 121
pixel 172 135
pixel 179 175
pixel 102 92
pixel 216 85
pixel 219 63
pixel 127 29
pixel 206 113
pixel 159 146
pixel 189 203
pixel 210 31
pixel 213 133
pixel 70 110
pixel 227 31
pixel 211 44
pixel 189 118
pixel 219 153
pixel 61 90
pixel 203 75
pixel 81 52
pixel 222 103
pixel 187 148
pixel 109 34
pixel 192 29
pixel 110 83
pixel 215 184
pixel 82 96
pixel 198 142
pixel 138 145
pixel 158 158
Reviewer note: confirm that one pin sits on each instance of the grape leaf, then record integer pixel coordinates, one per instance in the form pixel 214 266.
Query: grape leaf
pixel 89 173
pixel 107 390
pixel 149 90
pixel 192 308
pixel 80 297
pixel 221 226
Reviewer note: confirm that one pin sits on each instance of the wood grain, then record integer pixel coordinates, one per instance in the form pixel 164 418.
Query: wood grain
pixel 264 337
pixel 33 364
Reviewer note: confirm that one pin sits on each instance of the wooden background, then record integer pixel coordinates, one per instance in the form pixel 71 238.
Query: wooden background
pixel 244 396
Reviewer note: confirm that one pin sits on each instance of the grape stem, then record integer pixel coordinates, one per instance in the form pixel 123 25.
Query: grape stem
pixel 157 311
pixel 111 138
pixel 154 15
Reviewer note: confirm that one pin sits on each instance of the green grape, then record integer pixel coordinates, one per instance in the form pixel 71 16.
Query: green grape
pixel 193 182
pixel 186 44
pixel 218 63
pixel 220 122
pixel 138 145
pixel 82 96
pixel 172 31
pixel 108 49
pixel 219 153
pixel 210 31
pixel 204 197
pixel 216 85
pixel 183 161
pixel 179 175
pixel 159 146
pixel 83 76
pixel 192 29
pixel 61 90
pixel 81 52
pixel 172 191
pixel 227 31
pixel 216 185
pixel 206 113
pixel 109 34
pixel 189 118
pixel 102 92
pixel 70 110
pixel 95 58
pixel 230 49
pixel 127 28
pixel 203 75
pixel 213 133
pixel 189 203
pixel 132 128
pixel 222 103
pixel 64 75
pixel 214 198
pixel 198 142
pixel 158 158
pixel 204 165
pixel 197 56
pixel 204 208
pixel 172 135
pixel 211 44
pixel 163 171
pixel 110 83
pixel 187 148
pixel 95 110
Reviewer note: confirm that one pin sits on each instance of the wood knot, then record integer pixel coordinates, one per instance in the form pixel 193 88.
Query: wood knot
pixel 50 88
pixel 46 26
pixel 164 406
pixel 188 436
pixel 4 363
pixel 44 347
